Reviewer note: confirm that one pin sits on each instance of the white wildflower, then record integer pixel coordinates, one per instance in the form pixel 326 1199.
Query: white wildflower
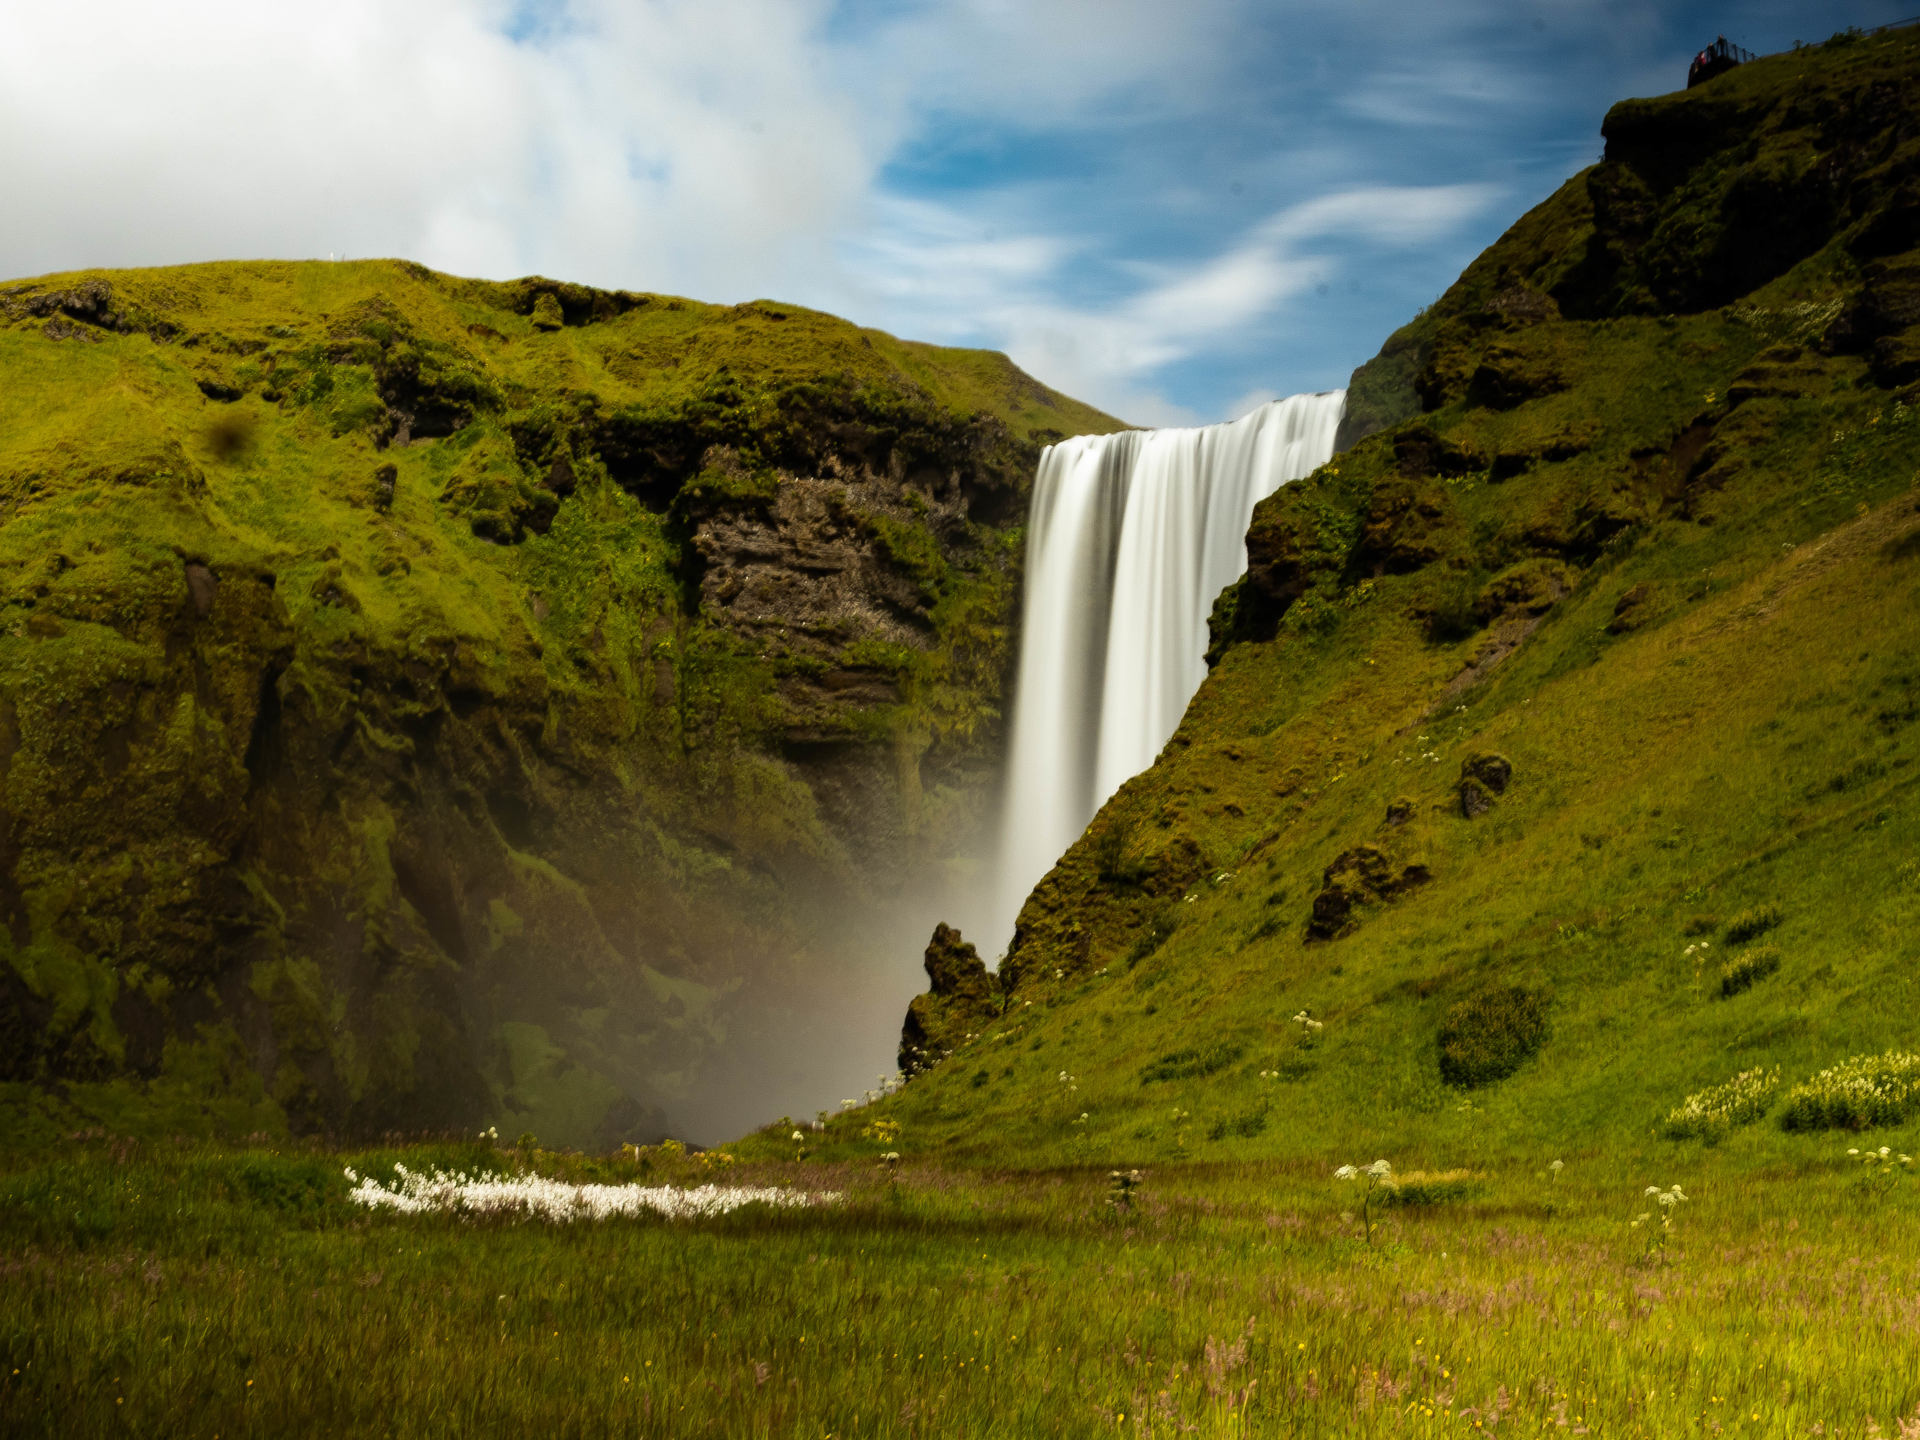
pixel 416 1193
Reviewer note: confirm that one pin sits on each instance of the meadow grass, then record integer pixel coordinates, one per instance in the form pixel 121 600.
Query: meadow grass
pixel 187 1291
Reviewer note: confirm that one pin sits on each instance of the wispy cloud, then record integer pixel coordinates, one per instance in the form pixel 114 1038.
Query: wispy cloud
pixel 964 284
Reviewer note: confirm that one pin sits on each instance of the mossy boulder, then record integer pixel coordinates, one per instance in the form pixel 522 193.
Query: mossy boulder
pixel 1365 875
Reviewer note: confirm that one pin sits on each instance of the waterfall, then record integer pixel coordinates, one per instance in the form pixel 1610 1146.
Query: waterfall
pixel 1130 539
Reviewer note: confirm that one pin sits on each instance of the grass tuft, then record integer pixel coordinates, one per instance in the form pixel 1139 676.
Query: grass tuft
pixel 1740 973
pixel 1752 924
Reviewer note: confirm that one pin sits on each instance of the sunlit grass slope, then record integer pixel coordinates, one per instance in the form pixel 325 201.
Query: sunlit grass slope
pixel 374 749
pixel 1559 760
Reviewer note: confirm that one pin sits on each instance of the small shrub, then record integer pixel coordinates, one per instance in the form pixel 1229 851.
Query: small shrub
pixel 1157 932
pixel 1698 925
pixel 1247 1124
pixel 1191 1064
pixel 1748 966
pixel 1710 1113
pixel 1861 1091
pixel 1115 866
pixel 1752 924
pixel 1438 1187
pixel 286 1184
pixel 1490 1035
pixel 1453 612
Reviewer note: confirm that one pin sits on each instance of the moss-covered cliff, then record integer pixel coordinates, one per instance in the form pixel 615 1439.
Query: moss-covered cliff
pixel 430 702
pixel 1601 632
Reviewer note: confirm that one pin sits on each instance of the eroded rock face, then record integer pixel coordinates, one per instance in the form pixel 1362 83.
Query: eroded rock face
pixel 807 574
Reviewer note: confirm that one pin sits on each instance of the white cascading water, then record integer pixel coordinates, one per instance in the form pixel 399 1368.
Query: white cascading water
pixel 1130 539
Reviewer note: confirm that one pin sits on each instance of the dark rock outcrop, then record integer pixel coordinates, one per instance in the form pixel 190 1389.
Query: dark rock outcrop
pixel 1634 607
pixel 962 997
pixel 1365 875
pixel 1482 777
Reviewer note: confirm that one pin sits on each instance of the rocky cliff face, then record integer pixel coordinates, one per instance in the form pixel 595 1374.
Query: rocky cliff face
pixel 432 703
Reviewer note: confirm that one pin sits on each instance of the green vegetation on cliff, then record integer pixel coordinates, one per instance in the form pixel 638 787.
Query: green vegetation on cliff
pixel 425 701
pixel 1597 641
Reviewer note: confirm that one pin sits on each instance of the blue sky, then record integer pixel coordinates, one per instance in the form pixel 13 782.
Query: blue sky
pixel 1172 210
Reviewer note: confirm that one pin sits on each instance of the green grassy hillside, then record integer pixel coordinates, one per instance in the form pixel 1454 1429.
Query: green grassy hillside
pixel 1558 760
pixel 425 701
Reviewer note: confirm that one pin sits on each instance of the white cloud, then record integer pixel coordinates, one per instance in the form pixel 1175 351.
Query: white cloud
pixel 1398 215
pixel 665 144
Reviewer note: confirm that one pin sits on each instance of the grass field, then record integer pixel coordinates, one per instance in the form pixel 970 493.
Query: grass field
pixel 185 1291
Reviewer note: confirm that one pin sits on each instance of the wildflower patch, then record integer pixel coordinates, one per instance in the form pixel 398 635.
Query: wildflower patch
pixel 1858 1092
pixel 1710 1113
pixel 415 1192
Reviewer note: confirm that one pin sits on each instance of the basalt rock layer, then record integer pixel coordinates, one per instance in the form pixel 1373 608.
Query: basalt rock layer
pixel 426 702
